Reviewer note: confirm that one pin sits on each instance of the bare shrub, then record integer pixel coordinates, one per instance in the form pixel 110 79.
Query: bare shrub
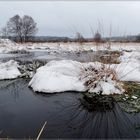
pixel 97 37
pixel 96 76
pixel 79 38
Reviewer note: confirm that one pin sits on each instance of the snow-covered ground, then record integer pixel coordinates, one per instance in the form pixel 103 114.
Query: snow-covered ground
pixel 76 47
pixel 9 70
pixel 7 46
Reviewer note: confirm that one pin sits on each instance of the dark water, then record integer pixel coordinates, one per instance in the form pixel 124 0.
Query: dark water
pixel 23 112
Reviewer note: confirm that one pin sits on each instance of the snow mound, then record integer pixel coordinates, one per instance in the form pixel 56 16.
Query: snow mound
pixel 58 76
pixel 9 70
pixel 128 71
pixel 66 75
pixel 7 45
pixel 7 42
pixel 130 56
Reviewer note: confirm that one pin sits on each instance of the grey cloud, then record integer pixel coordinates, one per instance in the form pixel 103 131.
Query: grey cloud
pixel 65 18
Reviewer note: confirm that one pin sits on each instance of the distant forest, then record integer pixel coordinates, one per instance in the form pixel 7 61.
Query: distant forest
pixel 67 39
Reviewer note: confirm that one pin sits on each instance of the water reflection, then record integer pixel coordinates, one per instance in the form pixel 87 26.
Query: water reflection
pixel 23 113
pixel 98 124
pixel 85 56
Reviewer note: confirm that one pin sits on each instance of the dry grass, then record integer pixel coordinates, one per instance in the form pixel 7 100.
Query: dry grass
pixel 94 75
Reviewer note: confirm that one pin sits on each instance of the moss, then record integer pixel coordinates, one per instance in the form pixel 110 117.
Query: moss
pixel 129 101
pixel 131 87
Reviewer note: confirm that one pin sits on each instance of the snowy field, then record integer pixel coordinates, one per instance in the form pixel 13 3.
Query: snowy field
pixel 9 46
pixel 76 47
pixel 49 78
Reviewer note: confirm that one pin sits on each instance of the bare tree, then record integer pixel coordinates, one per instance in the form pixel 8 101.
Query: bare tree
pixel 14 26
pixel 28 27
pixel 21 28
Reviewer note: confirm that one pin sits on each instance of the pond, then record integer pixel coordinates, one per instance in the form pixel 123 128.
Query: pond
pixel 24 112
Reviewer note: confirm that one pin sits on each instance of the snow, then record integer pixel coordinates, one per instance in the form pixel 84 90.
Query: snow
pixel 7 46
pixel 106 88
pixel 58 76
pixel 76 47
pixel 55 47
pixel 109 88
pixel 130 56
pixel 125 47
pixel 64 75
pixel 134 97
pixel 129 68
pixel 9 70
pixel 128 71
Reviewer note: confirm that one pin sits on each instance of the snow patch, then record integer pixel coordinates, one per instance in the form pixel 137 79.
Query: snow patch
pixel 9 70
pixel 7 45
pixel 76 47
pixel 130 56
pixel 128 71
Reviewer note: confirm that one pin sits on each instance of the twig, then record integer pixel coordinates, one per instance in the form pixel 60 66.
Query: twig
pixel 41 131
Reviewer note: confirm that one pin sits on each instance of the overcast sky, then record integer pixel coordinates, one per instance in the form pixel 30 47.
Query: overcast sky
pixel 65 18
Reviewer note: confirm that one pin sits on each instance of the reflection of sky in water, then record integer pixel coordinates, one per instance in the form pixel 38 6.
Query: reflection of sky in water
pixel 44 55
pixel 23 113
